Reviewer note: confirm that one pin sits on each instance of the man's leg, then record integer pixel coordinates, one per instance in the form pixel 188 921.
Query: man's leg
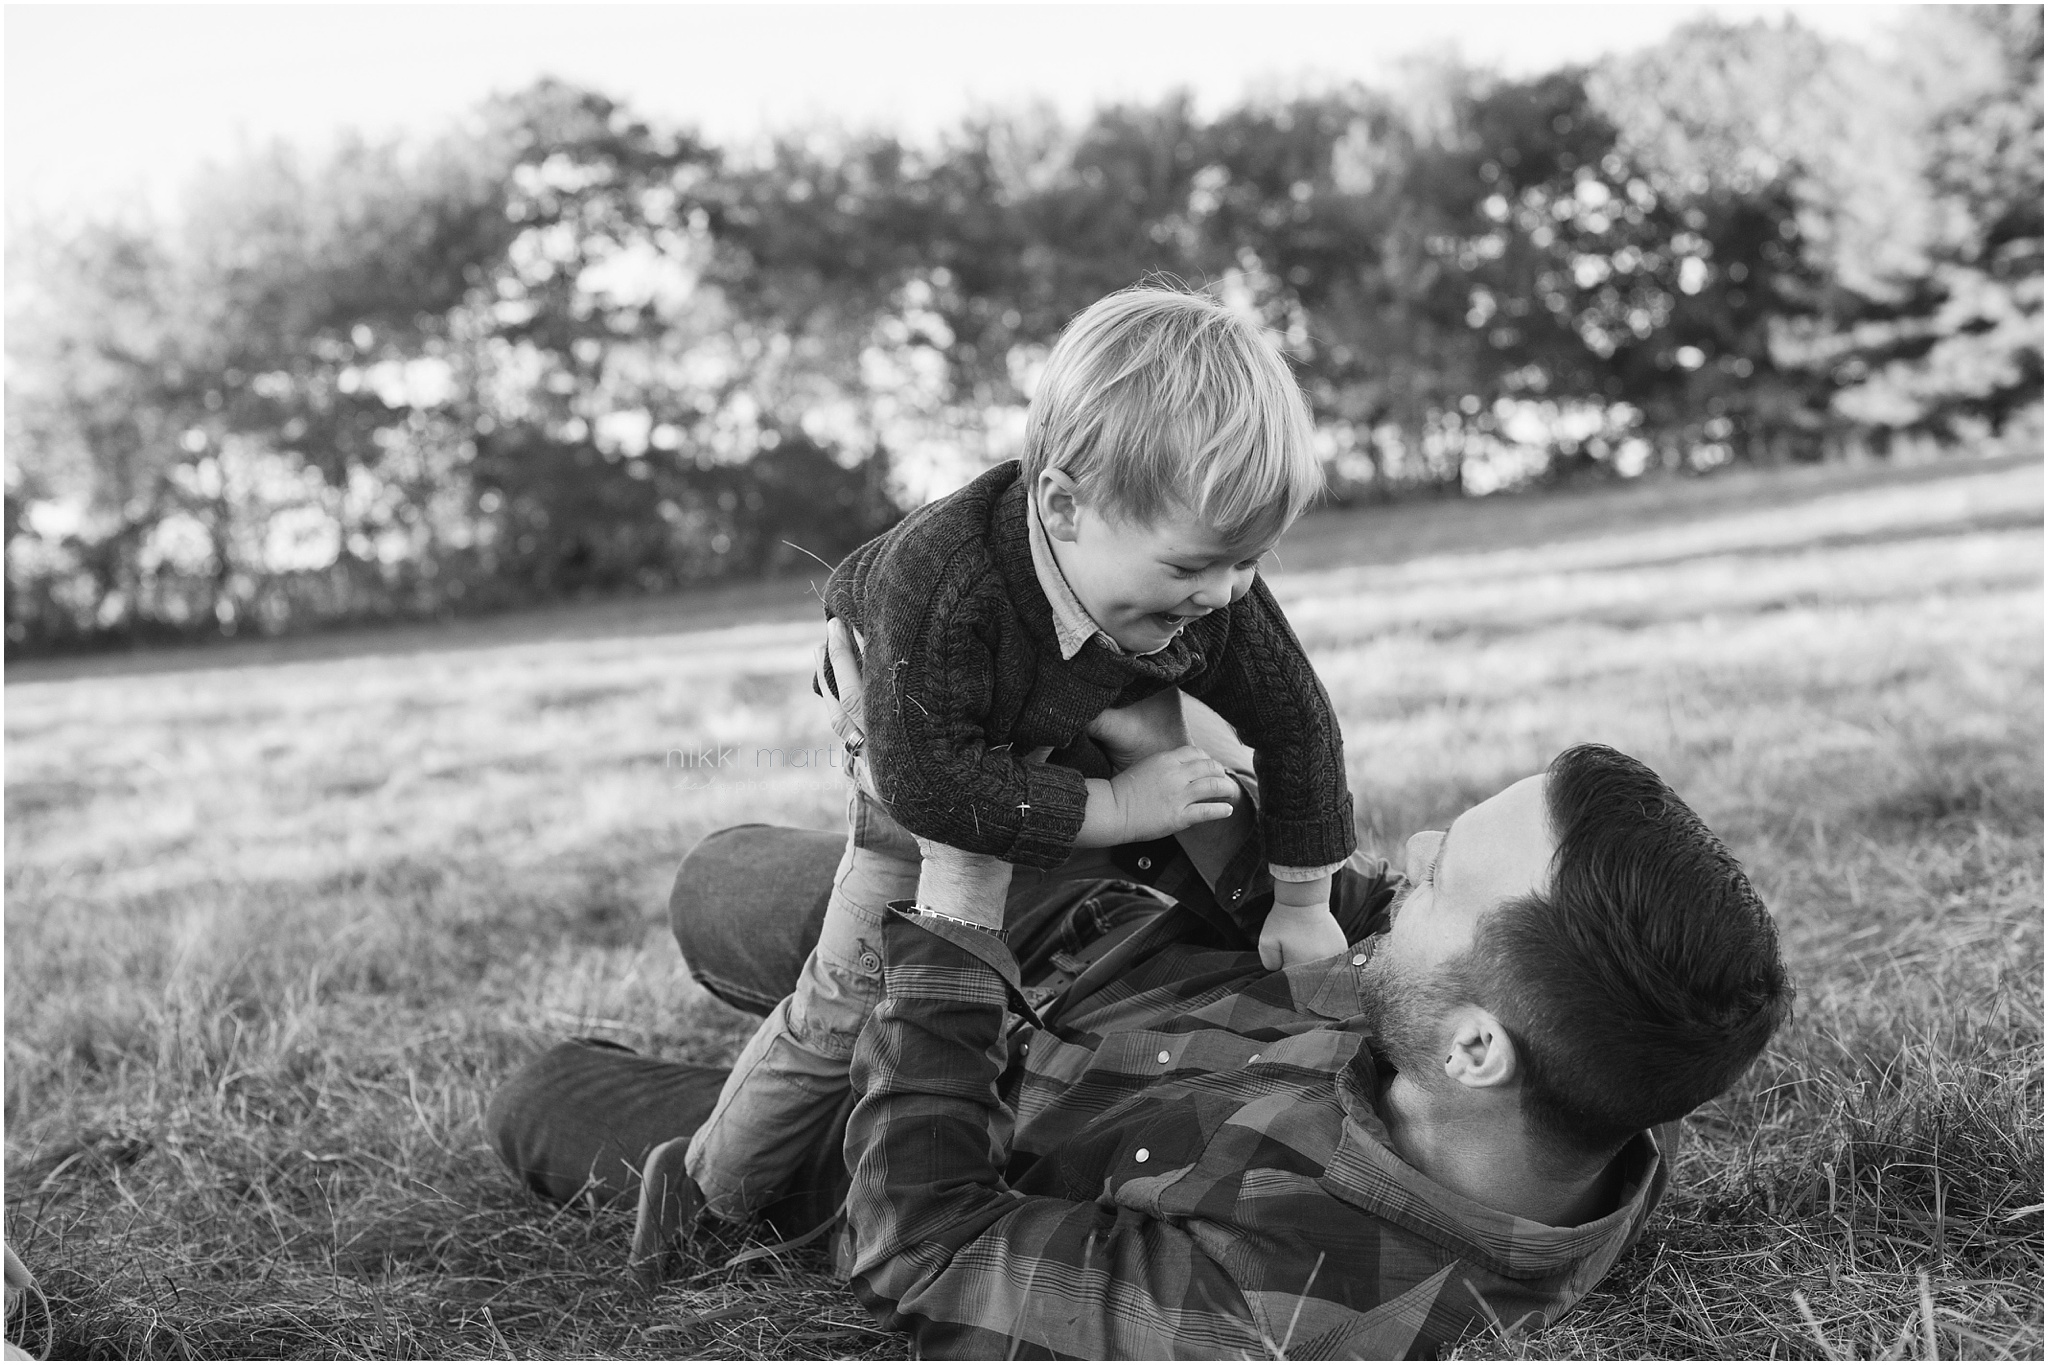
pixel 747 905
pixel 579 1120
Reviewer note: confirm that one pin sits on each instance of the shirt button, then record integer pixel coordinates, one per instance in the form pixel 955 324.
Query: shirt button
pixel 1235 894
pixel 1142 1154
pixel 870 963
pixel 1253 1058
pixel 1358 959
pixel 1165 1057
pixel 1144 864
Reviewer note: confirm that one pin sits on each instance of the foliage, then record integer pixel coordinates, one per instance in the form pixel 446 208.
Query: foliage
pixel 558 353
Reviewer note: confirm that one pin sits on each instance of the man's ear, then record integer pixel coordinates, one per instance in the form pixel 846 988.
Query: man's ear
pixel 1482 1056
pixel 1059 504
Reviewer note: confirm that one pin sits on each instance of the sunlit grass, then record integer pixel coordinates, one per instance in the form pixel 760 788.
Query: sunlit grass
pixel 276 926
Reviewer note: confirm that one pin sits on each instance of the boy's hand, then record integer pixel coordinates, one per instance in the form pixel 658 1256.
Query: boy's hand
pixel 1156 796
pixel 1299 933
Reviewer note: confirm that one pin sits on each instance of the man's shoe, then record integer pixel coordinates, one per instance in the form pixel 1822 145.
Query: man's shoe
pixel 669 1202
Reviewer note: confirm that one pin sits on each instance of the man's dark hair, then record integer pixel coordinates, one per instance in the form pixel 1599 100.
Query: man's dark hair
pixel 1646 979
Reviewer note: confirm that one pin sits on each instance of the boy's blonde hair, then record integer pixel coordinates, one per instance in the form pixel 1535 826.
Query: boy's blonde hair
pixel 1161 401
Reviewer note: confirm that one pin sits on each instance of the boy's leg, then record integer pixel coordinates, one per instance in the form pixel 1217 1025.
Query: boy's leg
pixel 580 1119
pixel 790 1080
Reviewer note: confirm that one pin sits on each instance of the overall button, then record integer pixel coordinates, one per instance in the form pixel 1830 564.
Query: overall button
pixel 1358 959
pixel 1165 1057
pixel 1144 864
pixel 1142 1154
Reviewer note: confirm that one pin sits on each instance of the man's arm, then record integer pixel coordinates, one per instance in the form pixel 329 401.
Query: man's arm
pixel 1168 720
pixel 944 1250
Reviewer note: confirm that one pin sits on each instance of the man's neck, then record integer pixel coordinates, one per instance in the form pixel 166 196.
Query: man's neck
pixel 1482 1150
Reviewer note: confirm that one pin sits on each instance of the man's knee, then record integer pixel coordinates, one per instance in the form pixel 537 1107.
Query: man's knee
pixel 746 906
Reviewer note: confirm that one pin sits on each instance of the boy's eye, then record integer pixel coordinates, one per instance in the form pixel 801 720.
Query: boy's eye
pixel 1251 563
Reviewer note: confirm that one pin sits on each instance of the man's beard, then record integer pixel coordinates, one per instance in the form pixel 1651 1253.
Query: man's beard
pixel 1404 1017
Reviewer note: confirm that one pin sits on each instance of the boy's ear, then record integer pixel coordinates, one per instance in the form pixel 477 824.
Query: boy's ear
pixel 1059 504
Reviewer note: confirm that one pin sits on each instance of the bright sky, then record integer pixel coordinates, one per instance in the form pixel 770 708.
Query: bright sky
pixel 106 104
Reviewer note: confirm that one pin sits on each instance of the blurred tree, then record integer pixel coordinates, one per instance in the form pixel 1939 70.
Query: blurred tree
pixel 1965 355
pixel 558 351
pixel 1805 216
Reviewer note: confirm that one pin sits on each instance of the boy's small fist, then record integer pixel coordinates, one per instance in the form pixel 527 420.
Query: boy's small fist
pixel 1299 933
pixel 1169 792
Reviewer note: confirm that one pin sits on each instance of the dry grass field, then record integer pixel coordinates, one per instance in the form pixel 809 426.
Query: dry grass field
pixel 279 916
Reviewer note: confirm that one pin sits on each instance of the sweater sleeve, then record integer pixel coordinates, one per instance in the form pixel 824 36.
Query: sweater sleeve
pixel 1264 685
pixel 930 684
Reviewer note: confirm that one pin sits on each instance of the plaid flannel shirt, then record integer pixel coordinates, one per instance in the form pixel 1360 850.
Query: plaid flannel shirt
pixel 1179 1157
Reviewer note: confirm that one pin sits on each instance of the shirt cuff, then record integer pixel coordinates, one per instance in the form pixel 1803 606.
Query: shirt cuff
pixel 1304 874
pixel 926 912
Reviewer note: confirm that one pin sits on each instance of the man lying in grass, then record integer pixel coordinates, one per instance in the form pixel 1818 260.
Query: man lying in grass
pixel 1108 1131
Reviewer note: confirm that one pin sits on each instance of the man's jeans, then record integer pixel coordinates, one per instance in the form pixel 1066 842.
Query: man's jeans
pixel 746 910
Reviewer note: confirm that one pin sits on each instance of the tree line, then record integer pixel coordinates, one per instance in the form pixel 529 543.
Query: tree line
pixel 559 350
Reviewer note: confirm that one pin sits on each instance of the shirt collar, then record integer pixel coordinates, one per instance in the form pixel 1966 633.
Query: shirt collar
pixel 1367 1173
pixel 1071 623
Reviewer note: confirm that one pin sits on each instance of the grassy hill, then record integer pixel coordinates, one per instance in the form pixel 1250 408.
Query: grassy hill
pixel 280 914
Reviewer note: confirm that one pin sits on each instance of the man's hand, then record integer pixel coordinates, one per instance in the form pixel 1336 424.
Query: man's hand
pixel 1130 734
pixel 836 677
pixel 1156 796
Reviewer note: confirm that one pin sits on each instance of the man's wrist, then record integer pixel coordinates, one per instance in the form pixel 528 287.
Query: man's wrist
pixel 1102 819
pixel 968 887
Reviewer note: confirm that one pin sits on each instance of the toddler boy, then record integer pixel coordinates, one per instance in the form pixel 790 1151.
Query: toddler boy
pixel 1166 451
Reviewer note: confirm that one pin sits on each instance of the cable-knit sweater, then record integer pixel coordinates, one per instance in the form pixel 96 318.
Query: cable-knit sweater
pixel 964 678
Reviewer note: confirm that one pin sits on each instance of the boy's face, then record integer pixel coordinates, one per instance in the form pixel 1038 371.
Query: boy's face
pixel 1143 582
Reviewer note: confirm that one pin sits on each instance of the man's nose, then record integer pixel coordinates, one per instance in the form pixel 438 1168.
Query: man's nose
pixel 1422 851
